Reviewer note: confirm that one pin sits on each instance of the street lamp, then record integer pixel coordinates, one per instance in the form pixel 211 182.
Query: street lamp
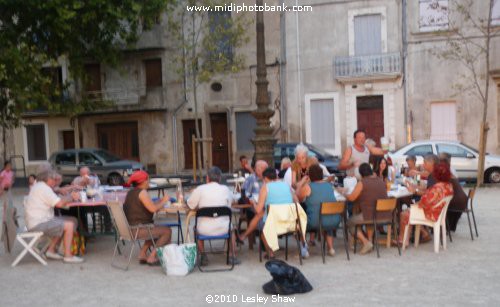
pixel 263 140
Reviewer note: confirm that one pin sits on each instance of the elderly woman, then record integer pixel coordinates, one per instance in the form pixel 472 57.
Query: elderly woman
pixel 139 209
pixel 365 195
pixel 300 165
pixel 427 208
pixel 286 163
pixel 314 193
pixel 412 170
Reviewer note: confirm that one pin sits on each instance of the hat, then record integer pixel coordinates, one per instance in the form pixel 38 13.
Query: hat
pixel 286 279
pixel 137 177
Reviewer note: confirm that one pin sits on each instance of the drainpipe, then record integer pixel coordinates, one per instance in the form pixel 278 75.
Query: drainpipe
pixel 405 79
pixel 299 81
pixel 282 72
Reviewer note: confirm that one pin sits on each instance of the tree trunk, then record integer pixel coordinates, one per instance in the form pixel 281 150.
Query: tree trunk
pixel 194 76
pixel 483 136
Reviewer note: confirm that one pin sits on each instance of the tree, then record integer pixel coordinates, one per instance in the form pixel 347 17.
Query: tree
pixel 35 35
pixel 208 42
pixel 469 44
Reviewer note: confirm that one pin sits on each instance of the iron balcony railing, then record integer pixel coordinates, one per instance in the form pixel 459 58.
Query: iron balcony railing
pixel 367 65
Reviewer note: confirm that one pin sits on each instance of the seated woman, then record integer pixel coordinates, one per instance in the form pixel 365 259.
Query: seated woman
pixel 272 192
pixel 139 209
pixel 427 208
pixel 313 194
pixel 381 169
pixel 365 195
pixel 413 170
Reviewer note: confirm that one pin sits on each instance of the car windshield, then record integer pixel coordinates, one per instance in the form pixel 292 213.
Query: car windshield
pixel 107 156
pixel 320 151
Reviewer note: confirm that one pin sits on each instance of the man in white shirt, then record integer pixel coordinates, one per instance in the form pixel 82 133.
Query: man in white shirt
pixel 212 194
pixel 39 216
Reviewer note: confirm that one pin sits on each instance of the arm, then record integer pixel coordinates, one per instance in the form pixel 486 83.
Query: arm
pixel 63 201
pixel 262 200
pixel 149 204
pixel 344 163
pixel 303 192
pixel 356 192
pixel 376 151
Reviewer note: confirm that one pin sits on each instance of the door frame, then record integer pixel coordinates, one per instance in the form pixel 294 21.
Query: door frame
pixel 228 115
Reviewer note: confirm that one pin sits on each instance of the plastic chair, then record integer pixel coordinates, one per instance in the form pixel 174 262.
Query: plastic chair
pixel 214 212
pixel 467 210
pixel 333 208
pixel 438 226
pixel 125 231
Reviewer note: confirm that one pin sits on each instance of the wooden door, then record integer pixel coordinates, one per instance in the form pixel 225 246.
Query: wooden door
pixel 188 130
pixel 220 144
pixel 68 139
pixel 371 117
pixel 121 139
pixel 93 83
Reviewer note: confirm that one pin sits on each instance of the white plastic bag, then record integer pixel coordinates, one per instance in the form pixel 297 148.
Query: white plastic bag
pixel 177 260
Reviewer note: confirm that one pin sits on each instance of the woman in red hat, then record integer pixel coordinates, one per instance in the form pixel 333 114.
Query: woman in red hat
pixel 139 209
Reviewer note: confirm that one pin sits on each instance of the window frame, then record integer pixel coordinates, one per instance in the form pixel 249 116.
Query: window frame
pixel 419 145
pixel 156 84
pixel 25 142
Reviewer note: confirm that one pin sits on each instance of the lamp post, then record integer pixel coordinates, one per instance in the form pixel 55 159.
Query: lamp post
pixel 263 140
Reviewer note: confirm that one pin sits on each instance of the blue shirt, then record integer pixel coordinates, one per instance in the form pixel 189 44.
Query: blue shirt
pixel 252 185
pixel 278 193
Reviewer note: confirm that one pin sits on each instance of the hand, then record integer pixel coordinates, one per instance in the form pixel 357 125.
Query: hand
pixel 165 198
pixel 75 196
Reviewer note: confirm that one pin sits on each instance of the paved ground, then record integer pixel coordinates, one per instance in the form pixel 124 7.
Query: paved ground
pixel 468 273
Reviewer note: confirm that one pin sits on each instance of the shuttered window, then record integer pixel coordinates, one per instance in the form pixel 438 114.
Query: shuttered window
pixel 367 34
pixel 322 123
pixel 245 124
pixel 153 73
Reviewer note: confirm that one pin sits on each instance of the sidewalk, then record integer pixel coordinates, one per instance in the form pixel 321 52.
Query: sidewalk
pixel 468 273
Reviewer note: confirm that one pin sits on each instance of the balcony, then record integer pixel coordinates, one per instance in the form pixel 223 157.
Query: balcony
pixel 368 67
pixel 120 96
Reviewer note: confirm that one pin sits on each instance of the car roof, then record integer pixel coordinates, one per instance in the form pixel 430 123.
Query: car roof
pixel 77 150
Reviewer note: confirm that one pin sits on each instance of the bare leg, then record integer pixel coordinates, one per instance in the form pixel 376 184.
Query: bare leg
pixel 143 253
pixel 164 234
pixel 69 227
pixel 253 225
pixel 329 240
pixel 268 250
pixel 54 242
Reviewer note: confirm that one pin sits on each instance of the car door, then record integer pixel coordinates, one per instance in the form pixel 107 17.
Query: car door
pixel 463 160
pixel 86 158
pixel 65 164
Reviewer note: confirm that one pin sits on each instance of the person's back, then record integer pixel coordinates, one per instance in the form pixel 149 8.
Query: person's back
pixel 208 195
pixel 135 211
pixel 278 193
pixel 320 192
pixel 374 188
pixel 39 205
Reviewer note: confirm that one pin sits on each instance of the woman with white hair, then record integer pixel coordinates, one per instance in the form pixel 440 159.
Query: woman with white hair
pixel 300 165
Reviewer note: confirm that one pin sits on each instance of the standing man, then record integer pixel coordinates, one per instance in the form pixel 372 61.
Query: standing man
pixel 246 168
pixel 358 153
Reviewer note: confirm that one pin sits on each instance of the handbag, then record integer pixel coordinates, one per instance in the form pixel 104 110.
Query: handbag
pixel 78 241
pixel 177 260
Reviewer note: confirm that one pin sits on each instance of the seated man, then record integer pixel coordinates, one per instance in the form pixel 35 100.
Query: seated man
pixel 39 215
pixel 139 209
pixel 85 178
pixel 212 194
pixel 272 192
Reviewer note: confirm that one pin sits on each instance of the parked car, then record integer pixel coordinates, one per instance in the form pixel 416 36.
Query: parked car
pixel 464 158
pixel 330 161
pixel 109 168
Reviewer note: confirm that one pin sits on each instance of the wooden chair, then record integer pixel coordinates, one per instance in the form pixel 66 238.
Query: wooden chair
pixel 333 208
pixel 468 209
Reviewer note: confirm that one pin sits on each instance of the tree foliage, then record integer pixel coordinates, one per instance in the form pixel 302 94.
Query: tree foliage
pixel 36 34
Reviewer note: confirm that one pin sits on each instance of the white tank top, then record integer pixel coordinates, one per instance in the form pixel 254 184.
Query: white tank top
pixel 359 158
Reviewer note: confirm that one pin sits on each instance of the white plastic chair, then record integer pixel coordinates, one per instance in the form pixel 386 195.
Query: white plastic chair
pixel 439 227
pixel 29 246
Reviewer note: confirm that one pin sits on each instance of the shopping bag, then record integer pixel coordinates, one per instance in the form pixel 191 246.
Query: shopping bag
pixel 177 260
pixel 78 241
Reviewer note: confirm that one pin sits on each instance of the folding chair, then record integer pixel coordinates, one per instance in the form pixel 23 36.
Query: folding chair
pixel 125 231
pixel 297 232
pixel 333 208
pixel 468 208
pixel 178 225
pixel 29 246
pixel 214 212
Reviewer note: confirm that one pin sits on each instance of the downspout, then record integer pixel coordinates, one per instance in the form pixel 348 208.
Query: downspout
pixel 283 119
pixel 299 81
pixel 405 79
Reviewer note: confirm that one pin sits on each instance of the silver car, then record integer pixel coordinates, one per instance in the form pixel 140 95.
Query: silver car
pixel 109 168
pixel 464 158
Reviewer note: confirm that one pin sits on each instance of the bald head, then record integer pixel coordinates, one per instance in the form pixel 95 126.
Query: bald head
pixel 84 171
pixel 260 166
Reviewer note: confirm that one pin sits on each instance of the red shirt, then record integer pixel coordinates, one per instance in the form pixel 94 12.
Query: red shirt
pixel 431 200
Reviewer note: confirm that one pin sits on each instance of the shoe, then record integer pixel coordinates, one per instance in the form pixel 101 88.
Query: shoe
pixel 367 248
pixel 331 252
pixel 304 252
pixel 53 256
pixel 73 259
pixel 234 261
pixel 156 263
pixel 204 260
pixel 312 243
pixel 143 261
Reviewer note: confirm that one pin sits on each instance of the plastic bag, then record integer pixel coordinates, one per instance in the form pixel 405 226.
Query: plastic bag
pixel 78 241
pixel 177 260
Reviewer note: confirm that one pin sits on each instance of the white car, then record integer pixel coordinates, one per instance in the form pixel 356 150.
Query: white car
pixel 464 158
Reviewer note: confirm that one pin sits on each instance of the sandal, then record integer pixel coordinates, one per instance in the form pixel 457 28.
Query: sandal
pixel 156 263
pixel 398 243
pixel 239 241
pixel 143 261
pixel 425 239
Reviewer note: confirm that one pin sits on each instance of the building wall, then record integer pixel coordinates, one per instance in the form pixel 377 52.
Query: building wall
pixel 433 79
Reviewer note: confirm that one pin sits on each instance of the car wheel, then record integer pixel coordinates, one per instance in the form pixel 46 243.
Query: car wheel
pixel 115 179
pixel 493 175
